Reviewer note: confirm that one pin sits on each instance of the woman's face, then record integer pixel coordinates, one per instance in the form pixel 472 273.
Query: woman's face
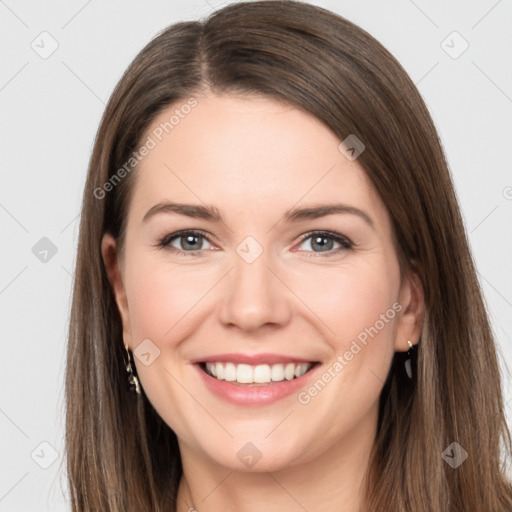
pixel 256 250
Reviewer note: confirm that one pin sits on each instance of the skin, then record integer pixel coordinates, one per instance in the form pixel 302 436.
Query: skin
pixel 254 159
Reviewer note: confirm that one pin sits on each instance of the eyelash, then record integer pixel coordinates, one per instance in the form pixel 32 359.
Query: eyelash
pixel 345 243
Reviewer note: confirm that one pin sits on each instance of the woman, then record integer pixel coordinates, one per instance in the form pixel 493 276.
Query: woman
pixel 275 305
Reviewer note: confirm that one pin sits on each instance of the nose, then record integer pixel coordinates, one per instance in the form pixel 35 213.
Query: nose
pixel 254 295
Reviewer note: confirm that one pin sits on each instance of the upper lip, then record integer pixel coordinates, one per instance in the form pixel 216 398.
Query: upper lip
pixel 252 359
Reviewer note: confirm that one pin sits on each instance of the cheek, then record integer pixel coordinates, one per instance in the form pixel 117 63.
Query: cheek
pixel 163 303
pixel 161 296
pixel 353 302
pixel 359 307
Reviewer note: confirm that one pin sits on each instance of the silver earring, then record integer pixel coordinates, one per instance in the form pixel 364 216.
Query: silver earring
pixel 133 380
pixel 407 363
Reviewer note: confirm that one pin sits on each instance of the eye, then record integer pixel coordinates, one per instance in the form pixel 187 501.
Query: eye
pixel 188 242
pixel 191 243
pixel 325 242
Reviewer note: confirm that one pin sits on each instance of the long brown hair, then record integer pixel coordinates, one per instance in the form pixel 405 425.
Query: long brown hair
pixel 121 456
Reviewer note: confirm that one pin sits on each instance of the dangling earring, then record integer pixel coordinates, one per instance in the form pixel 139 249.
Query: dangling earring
pixel 133 381
pixel 408 356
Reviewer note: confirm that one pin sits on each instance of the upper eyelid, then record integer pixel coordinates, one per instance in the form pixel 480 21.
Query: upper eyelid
pixel 325 232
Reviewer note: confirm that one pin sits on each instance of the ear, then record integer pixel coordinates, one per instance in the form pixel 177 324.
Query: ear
pixel 113 267
pixel 410 319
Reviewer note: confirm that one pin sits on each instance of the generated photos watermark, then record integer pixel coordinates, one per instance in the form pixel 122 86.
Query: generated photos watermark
pixel 153 139
pixel 342 360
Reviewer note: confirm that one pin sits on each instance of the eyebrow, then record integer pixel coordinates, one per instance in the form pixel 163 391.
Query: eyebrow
pixel 212 214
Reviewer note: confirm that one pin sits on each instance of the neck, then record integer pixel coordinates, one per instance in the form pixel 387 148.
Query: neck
pixel 331 481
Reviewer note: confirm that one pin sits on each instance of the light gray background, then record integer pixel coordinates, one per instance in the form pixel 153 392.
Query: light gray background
pixel 51 109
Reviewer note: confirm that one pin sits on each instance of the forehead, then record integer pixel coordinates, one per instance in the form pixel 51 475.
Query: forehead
pixel 247 154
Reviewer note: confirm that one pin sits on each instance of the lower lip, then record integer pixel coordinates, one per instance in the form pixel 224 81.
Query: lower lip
pixel 254 395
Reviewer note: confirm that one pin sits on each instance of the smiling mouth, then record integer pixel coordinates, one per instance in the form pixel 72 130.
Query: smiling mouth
pixel 256 375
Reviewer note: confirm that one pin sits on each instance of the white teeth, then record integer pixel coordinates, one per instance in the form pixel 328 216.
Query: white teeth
pixel 210 368
pixel 243 373
pixel 301 369
pixel 230 372
pixel 259 374
pixel 277 372
pixel 289 371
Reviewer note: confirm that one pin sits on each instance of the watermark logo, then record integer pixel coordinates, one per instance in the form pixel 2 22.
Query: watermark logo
pixel 249 455
pixel 454 455
pixel 454 45
pixel 45 45
pixel 44 455
pixel 249 249
pixel 146 352
pixel 351 147
pixel 44 250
